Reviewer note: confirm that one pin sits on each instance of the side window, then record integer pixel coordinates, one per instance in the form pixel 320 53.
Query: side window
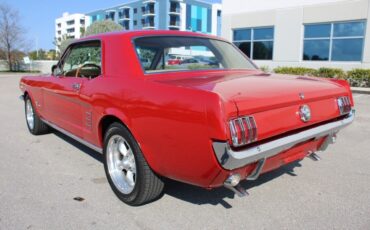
pixel 82 60
pixel 146 56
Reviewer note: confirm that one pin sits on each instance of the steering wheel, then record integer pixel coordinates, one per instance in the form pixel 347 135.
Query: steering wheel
pixel 86 65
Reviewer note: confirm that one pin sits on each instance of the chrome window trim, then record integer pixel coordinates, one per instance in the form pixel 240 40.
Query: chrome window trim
pixel 145 73
pixel 79 42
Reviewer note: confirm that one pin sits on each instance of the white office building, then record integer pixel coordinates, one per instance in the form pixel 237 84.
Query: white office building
pixel 69 26
pixel 308 33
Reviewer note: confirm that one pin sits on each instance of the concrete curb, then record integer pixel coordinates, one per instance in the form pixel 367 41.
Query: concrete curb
pixel 360 90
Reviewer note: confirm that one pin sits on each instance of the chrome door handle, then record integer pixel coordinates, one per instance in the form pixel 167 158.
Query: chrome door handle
pixel 76 86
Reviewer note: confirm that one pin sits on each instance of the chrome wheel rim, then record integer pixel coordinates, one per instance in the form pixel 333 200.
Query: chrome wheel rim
pixel 29 114
pixel 121 164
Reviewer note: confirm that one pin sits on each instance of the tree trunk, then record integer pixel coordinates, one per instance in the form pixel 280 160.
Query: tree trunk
pixel 10 63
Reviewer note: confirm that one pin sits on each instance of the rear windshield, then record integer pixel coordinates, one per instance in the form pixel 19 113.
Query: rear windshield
pixel 161 54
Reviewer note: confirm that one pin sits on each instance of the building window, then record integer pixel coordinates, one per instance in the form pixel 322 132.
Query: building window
pixel 256 43
pixel 219 22
pixel 149 8
pixel 143 9
pixel 135 23
pixel 71 30
pixel 174 21
pixel 71 22
pixel 125 25
pixel 149 22
pixel 339 41
pixel 82 21
pixel 198 19
pixel 135 10
pixel 94 18
pixel 125 13
pixel 59 25
pixel 110 15
pixel 175 7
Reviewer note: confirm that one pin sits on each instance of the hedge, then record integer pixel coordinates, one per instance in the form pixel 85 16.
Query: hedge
pixel 295 71
pixel 330 73
pixel 359 77
pixel 356 77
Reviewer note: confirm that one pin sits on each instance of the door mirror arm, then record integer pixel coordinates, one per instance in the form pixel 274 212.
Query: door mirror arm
pixel 55 71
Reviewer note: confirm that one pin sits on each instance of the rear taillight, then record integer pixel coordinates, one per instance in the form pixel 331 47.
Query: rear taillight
pixel 344 105
pixel 243 131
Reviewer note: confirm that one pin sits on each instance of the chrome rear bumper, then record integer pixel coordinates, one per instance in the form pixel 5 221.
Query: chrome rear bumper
pixel 230 159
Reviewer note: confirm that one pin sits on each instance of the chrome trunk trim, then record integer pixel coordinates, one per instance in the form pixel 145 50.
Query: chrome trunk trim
pixel 91 146
pixel 230 159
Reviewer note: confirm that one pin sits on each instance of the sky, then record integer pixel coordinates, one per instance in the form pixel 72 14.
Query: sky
pixel 38 16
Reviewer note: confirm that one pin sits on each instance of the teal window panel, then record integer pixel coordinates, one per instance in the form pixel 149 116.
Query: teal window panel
pixel 204 19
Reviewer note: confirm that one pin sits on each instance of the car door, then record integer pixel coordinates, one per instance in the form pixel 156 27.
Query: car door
pixel 62 100
pixel 92 76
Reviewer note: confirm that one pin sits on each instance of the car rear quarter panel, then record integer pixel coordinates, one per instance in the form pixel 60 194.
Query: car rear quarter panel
pixel 171 126
pixel 169 123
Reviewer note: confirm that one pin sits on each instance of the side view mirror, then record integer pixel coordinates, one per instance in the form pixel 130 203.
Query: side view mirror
pixel 55 70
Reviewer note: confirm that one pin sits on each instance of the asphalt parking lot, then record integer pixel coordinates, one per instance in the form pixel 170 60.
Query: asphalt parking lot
pixel 40 177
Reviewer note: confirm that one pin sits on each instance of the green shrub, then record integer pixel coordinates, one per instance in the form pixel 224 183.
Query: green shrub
pixel 359 77
pixel 356 77
pixel 330 73
pixel 265 68
pixel 296 71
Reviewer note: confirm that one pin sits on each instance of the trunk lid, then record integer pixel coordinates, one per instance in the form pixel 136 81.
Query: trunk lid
pixel 254 91
pixel 273 99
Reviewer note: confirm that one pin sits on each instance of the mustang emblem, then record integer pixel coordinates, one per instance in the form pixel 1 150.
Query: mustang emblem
pixel 305 113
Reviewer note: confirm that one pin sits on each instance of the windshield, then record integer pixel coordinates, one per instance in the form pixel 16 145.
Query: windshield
pixel 161 54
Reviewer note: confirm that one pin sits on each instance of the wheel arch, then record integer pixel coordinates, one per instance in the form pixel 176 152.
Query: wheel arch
pixel 109 118
pixel 117 116
pixel 26 94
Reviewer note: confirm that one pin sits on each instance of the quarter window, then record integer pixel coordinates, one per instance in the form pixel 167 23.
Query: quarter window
pixel 340 41
pixel 256 43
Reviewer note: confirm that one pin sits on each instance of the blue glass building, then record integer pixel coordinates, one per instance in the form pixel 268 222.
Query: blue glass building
pixel 185 15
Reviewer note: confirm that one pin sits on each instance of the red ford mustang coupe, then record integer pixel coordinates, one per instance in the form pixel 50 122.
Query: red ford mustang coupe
pixel 208 124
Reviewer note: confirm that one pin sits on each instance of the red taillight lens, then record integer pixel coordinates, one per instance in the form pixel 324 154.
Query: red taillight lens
pixel 344 105
pixel 243 131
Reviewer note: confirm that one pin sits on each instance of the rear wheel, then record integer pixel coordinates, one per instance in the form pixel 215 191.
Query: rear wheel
pixel 128 173
pixel 35 125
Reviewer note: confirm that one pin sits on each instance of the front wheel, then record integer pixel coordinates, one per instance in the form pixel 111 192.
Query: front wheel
pixel 34 123
pixel 128 173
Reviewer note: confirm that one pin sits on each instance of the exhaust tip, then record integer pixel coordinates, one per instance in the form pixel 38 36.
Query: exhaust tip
pixel 314 156
pixel 232 183
pixel 233 180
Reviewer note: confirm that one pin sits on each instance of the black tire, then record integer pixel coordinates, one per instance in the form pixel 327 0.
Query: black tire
pixel 148 186
pixel 38 127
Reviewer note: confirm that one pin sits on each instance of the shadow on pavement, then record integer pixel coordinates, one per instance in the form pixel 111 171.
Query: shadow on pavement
pixel 194 194
pixel 216 196
pixel 92 153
